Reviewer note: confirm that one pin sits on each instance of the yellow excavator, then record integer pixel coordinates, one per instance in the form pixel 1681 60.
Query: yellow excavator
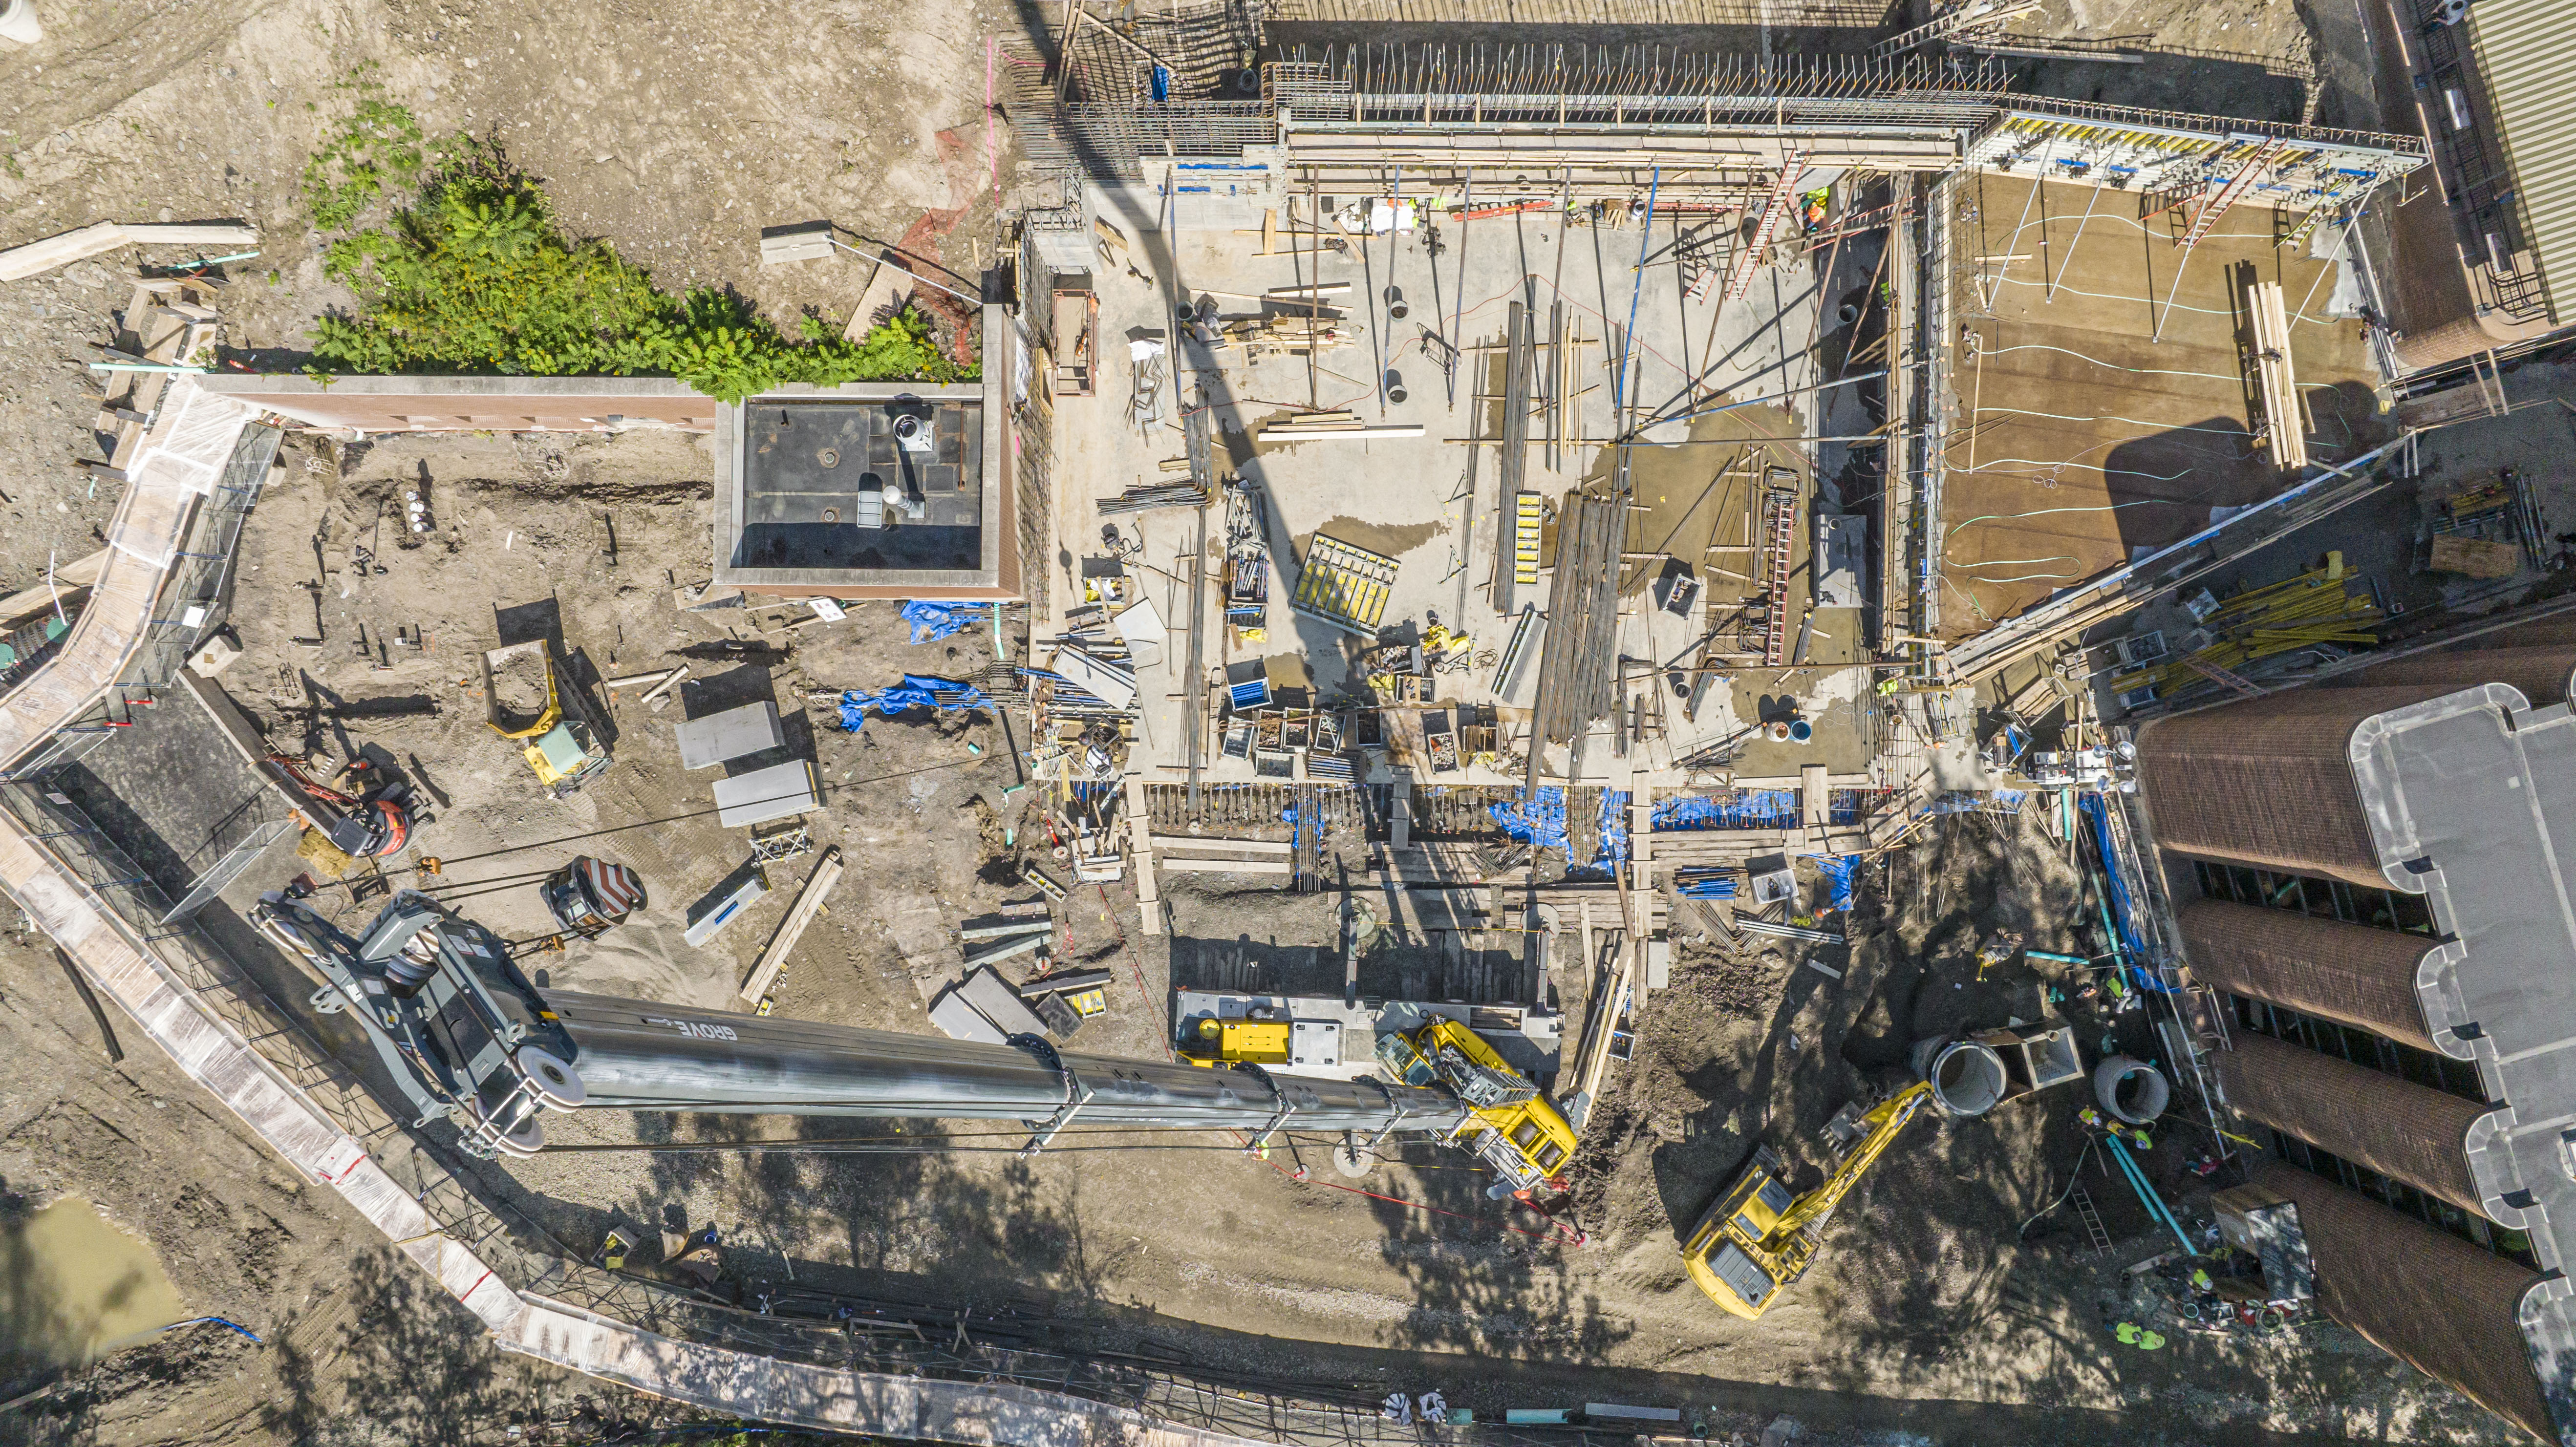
pixel 1758 1238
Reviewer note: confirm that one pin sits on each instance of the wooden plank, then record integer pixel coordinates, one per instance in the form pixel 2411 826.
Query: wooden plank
pixel 2475 557
pixel 1229 866
pixel 68 581
pixel 809 902
pixel 1185 844
pixel 1140 842
pixel 889 285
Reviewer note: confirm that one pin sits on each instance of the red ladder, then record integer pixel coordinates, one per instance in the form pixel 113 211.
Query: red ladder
pixel 1779 539
pixel 1739 275
pixel 2229 194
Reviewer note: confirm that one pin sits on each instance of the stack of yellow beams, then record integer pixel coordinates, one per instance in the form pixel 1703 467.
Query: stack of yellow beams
pixel 2317 606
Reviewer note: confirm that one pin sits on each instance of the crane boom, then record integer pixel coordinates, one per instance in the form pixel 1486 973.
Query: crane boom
pixel 1882 1126
pixel 469 1039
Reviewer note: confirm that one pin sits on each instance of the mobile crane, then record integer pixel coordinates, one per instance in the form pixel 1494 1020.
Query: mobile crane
pixel 470 1040
pixel 1757 1238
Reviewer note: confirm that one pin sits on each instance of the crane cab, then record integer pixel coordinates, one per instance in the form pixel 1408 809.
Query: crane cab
pixel 1726 1255
pixel 1521 1136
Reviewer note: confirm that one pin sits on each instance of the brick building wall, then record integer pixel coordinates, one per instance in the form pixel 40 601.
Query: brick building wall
pixel 2395 1127
pixel 2541 671
pixel 2447 1307
pixel 2349 973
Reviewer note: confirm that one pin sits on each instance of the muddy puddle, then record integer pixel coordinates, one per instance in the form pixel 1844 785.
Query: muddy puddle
pixel 73 1287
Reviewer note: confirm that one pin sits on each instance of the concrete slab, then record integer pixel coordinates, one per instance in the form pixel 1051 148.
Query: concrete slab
pixel 1424 501
pixel 707 742
pixel 2097 419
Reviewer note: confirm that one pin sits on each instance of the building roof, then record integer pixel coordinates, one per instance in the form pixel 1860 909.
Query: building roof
pixel 2468 795
pixel 2520 49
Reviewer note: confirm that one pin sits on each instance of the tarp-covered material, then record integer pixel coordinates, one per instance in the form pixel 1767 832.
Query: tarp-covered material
pixel 1967 801
pixel 914 692
pixel 1744 809
pixel 1838 870
pixel 1541 824
pixel 2115 912
pixel 934 621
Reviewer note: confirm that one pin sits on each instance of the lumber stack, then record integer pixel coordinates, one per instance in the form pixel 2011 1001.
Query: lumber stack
pixel 168 323
pixel 2275 382
pixel 1308 426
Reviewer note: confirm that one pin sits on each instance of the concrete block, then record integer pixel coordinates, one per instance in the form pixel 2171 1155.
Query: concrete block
pixel 707 742
pixel 779 792
pixel 952 1014
pixel 994 999
pixel 215 657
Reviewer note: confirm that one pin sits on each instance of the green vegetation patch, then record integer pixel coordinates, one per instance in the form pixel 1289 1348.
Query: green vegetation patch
pixel 475 275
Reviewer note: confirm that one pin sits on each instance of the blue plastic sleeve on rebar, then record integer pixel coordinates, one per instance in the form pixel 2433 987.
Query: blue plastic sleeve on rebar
pixel 934 621
pixel 1541 824
pixel 2098 814
pixel 1746 809
pixel 1614 827
pixel 1537 821
pixel 914 692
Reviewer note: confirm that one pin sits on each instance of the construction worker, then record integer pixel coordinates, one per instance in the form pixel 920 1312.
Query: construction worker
pixel 2094 1120
pixel 2131 1334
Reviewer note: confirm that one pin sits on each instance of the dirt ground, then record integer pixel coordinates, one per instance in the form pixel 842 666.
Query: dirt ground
pixel 676 135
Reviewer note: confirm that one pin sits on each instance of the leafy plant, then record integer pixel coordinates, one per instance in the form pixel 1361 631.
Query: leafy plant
pixel 476 275
pixel 378 146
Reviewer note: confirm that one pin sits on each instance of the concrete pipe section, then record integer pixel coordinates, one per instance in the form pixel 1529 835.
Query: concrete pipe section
pixel 2132 1090
pixel 1967 1078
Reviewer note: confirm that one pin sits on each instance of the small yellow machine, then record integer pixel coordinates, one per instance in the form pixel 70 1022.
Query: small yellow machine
pixel 1227 1042
pixel 1521 1136
pixel 1758 1238
pixel 560 745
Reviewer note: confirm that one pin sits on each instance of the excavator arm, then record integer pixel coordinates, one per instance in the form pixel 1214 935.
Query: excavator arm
pixel 1883 1125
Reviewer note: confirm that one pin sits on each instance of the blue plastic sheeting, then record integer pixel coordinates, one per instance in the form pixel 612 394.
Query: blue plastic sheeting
pixel 1746 809
pixel 1722 887
pixel 1962 801
pixel 914 692
pixel 2133 951
pixel 1541 824
pixel 1838 871
pixel 934 621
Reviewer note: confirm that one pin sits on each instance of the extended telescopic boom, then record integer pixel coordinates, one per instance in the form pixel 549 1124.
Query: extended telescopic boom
pixel 470 1039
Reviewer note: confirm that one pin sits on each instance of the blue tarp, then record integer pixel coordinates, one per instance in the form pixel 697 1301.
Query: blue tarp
pixel 1717 887
pixel 914 692
pixel 934 621
pixel 1838 870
